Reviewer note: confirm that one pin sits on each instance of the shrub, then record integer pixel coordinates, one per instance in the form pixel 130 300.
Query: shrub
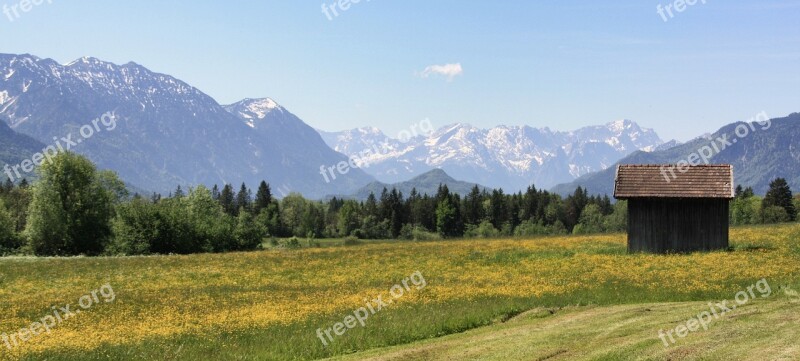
pixel 529 228
pixel 293 242
pixel 774 214
pixel 351 241
pixel 421 234
pixel 484 230
pixel 407 232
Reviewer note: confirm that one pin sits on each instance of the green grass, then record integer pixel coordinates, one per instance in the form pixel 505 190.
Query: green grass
pixel 603 320
pixel 763 329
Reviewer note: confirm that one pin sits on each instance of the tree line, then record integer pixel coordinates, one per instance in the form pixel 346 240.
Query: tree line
pixel 75 209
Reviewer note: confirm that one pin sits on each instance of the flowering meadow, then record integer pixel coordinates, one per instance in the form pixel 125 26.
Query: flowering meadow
pixel 269 304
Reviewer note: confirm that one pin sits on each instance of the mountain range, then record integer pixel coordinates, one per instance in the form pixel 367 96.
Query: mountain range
pixel 508 157
pixel 167 133
pixel 765 152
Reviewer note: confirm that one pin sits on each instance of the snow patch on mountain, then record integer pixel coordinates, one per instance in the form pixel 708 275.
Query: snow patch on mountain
pixel 512 157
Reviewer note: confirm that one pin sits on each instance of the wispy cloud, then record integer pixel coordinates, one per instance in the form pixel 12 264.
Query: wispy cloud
pixel 449 71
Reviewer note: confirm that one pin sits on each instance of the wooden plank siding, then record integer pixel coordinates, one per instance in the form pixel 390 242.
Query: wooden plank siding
pixel 664 225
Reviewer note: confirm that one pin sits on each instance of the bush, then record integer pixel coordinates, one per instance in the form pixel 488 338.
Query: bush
pixel 484 230
pixel 421 234
pixel 618 220
pixel 774 214
pixel 407 232
pixel 529 228
pixel 293 242
pixel 591 221
pixel 351 241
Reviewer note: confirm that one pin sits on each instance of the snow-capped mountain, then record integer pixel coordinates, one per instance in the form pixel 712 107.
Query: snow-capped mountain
pixel 511 157
pixel 168 132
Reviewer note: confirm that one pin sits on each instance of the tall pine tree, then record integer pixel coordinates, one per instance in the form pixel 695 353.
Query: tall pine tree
pixel 780 195
pixel 227 200
pixel 263 197
pixel 243 198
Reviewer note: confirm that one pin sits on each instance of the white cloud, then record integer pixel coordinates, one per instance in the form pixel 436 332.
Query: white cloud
pixel 448 71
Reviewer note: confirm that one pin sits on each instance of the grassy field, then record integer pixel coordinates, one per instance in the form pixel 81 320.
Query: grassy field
pixel 763 330
pixel 270 304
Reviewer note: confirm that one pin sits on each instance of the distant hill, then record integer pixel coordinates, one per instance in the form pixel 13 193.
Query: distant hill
pixel 426 183
pixel 757 158
pixel 16 147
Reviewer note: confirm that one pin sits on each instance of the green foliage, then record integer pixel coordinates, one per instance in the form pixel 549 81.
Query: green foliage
pixel 590 221
pixel 421 234
pixel 617 221
pixel 446 219
pixel 780 195
pixel 796 202
pixel 228 200
pixel 136 228
pixel 351 241
pixel 293 243
pixel 9 240
pixel 483 230
pixel 72 207
pixel 530 228
pixel 248 233
pixel 745 210
pixel 263 198
pixel 208 221
pixel 774 214
pixel 191 224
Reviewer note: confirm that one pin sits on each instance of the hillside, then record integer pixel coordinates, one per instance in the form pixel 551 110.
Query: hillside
pixel 757 158
pixel 426 183
pixel 167 132
pixel 15 147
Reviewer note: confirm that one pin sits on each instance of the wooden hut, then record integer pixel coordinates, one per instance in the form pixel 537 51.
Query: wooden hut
pixel 676 209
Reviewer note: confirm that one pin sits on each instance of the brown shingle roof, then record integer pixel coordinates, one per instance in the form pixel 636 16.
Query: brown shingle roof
pixel 667 181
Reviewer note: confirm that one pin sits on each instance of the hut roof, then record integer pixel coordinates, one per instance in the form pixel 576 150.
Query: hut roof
pixel 670 181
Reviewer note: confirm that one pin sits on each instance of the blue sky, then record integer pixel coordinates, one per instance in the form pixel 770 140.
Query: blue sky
pixel 561 64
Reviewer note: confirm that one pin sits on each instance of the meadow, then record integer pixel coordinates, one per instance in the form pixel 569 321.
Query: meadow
pixel 269 304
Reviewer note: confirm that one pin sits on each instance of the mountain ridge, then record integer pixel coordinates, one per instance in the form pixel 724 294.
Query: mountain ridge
pixel 508 157
pixel 169 132
pixel 758 158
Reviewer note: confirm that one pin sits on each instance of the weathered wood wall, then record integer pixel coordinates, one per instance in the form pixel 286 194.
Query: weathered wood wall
pixel 662 225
